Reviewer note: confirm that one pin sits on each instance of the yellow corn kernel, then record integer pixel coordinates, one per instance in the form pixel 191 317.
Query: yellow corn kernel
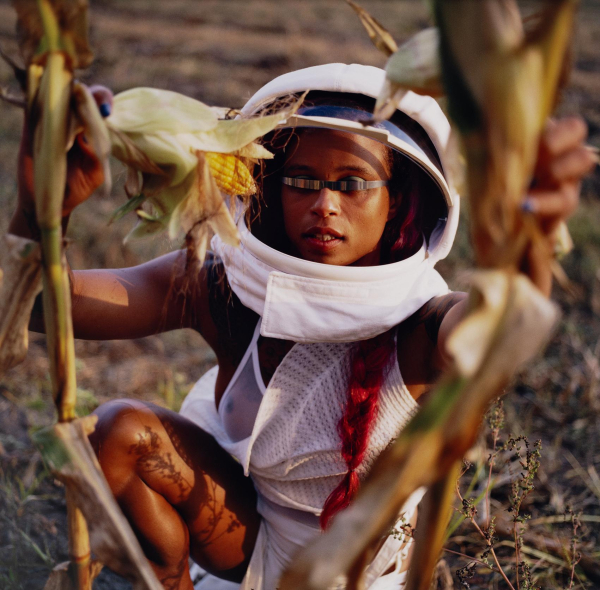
pixel 231 174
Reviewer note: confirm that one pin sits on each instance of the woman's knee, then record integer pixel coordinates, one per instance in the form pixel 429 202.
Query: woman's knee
pixel 121 425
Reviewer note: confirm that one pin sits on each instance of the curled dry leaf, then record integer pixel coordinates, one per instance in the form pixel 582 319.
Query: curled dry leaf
pixel 506 307
pixel 67 450
pixel 203 210
pixel 20 282
pixel 60 578
pixel 414 66
pixel 381 37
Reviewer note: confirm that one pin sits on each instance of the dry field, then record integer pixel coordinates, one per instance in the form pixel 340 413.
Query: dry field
pixel 221 52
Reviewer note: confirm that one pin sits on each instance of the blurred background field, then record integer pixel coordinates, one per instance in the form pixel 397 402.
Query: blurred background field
pixel 220 52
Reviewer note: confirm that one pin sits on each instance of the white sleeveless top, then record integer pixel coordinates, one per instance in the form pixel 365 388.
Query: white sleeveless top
pixel 293 450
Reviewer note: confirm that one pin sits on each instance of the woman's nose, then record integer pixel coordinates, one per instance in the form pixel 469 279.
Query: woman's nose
pixel 326 203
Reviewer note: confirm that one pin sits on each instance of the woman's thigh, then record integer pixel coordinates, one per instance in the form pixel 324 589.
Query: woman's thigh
pixel 177 486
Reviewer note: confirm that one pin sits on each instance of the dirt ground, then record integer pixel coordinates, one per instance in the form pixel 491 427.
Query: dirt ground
pixel 220 52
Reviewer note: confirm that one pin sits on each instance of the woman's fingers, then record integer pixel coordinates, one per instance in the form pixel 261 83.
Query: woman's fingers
pixel 563 161
pixel 560 136
pixel 104 99
pixel 572 164
pixel 547 204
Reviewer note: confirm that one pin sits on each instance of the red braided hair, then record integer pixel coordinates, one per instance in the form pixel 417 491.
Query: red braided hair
pixel 368 371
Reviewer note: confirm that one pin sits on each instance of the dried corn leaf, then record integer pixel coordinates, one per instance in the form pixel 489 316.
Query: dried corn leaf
pixel 439 435
pixel 501 85
pixel 163 205
pixel 381 37
pixel 204 206
pixel 66 449
pixel 20 282
pixel 72 16
pixel 416 64
pixel 254 151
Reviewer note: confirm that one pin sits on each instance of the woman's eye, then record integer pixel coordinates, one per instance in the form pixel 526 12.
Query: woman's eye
pixel 353 179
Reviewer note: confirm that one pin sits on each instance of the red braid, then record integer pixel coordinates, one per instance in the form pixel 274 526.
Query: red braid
pixel 368 371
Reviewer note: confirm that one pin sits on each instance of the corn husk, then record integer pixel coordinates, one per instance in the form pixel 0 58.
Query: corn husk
pixel 158 135
pixel 20 282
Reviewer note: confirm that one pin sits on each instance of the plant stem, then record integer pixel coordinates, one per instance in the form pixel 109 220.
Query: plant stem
pixel 79 546
pixel 470 558
pixel 59 326
pixel 500 570
pixel 50 177
pixel 489 481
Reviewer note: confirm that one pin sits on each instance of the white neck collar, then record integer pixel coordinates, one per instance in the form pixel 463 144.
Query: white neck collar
pixel 307 301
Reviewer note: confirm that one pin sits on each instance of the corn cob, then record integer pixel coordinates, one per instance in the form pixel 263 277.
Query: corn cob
pixel 231 174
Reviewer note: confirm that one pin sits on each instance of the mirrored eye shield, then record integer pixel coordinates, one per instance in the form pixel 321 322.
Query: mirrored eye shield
pixel 334 185
pixel 350 120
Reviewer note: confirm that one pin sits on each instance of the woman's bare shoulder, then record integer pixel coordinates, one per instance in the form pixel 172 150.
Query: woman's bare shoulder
pixel 431 315
pixel 418 343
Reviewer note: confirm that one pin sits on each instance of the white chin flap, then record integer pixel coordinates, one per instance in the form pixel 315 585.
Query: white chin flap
pixel 306 301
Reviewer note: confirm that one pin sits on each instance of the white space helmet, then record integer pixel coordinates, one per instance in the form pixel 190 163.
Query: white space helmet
pixel 368 81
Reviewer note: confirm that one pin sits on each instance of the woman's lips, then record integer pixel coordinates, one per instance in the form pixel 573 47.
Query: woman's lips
pixel 323 239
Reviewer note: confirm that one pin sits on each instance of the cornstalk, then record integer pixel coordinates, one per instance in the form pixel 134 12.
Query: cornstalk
pixel 50 105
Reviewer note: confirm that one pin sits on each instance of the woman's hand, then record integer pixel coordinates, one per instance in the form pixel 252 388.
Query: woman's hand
pixel 563 161
pixel 84 173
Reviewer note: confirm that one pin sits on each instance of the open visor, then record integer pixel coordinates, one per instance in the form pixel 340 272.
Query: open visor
pixel 356 121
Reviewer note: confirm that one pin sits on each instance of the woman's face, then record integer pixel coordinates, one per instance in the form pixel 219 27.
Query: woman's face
pixel 334 227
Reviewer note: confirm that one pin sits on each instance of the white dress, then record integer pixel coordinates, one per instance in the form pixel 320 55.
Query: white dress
pixel 293 454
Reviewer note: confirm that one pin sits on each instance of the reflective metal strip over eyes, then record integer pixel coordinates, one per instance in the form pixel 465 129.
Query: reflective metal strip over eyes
pixel 334 185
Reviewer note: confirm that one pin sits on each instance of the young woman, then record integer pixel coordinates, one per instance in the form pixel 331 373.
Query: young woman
pixel 328 324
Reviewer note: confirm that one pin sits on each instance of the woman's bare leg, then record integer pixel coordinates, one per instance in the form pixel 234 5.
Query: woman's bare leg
pixel 181 492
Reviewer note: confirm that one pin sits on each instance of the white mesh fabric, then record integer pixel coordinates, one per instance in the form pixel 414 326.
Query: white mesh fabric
pixel 295 448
